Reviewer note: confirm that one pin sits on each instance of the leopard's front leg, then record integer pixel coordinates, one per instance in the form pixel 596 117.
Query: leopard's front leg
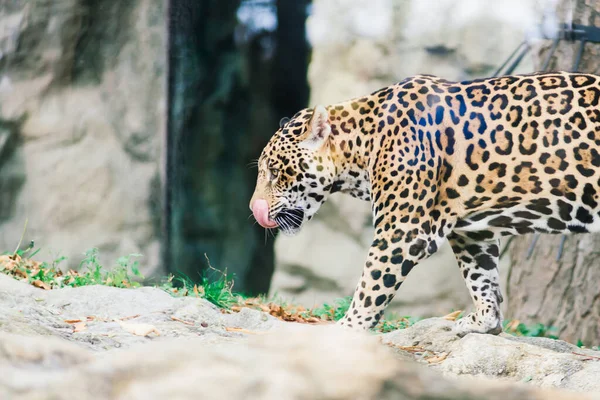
pixel 478 262
pixel 390 259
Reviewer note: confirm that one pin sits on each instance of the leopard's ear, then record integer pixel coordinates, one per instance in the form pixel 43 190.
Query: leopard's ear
pixel 318 129
pixel 283 121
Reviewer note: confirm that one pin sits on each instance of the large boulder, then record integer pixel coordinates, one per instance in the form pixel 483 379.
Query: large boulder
pixel 293 363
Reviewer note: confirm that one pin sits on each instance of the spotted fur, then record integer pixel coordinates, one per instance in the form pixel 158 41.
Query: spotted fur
pixel 467 162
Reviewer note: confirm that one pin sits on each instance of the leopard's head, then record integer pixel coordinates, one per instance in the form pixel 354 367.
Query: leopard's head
pixel 296 171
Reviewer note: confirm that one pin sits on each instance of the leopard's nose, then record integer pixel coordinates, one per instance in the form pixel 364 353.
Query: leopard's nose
pixel 260 209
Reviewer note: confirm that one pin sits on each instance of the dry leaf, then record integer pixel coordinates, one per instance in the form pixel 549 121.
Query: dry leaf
pixel 410 349
pixel 201 291
pixel 72 321
pixel 130 317
pixel 9 262
pixel 315 320
pixel 453 315
pixel 513 325
pixel 79 327
pixel 40 284
pixel 139 329
pixel 290 313
pixel 22 274
pixel 437 359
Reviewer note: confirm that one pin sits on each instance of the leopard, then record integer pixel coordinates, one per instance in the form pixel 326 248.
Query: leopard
pixel 466 162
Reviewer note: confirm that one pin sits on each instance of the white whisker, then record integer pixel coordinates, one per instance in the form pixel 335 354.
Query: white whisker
pixel 293 217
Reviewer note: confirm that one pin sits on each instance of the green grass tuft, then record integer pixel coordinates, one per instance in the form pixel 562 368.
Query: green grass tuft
pixel 393 322
pixel 333 312
pixel 50 275
pixel 217 291
pixel 536 330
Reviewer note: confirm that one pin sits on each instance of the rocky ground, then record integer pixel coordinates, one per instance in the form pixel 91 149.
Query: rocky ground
pixel 99 342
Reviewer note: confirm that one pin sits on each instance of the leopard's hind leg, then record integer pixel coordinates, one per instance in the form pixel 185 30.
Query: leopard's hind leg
pixel 478 262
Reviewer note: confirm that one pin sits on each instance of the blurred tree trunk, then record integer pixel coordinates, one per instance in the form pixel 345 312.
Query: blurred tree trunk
pixel 222 111
pixel 279 88
pixel 565 292
pixel 209 111
pixel 290 90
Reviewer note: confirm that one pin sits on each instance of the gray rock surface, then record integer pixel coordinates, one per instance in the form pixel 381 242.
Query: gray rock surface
pixel 296 362
pixel 109 312
pixel 193 350
pixel 82 117
pixel 540 361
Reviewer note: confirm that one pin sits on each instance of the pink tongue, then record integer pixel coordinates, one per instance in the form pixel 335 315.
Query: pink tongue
pixel 260 209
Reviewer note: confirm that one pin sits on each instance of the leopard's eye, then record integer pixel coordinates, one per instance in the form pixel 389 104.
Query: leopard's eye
pixel 274 172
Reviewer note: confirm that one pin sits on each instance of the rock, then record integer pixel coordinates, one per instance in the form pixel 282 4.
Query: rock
pixel 295 362
pixel 539 361
pixel 103 310
pixel 99 342
pixel 82 87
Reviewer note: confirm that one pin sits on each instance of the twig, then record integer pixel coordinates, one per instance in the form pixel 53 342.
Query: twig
pixel 410 349
pixel 242 330
pixel 182 321
pixel 436 359
pixel 130 317
pixel 588 357
pixel 223 273
pixel 22 236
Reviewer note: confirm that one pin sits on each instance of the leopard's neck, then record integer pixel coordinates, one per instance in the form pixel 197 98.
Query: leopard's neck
pixel 355 127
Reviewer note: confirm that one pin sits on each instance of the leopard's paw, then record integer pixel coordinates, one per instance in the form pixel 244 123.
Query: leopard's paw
pixel 472 324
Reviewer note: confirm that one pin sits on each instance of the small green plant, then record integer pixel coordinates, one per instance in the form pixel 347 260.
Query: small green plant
pixel 337 310
pixel 393 323
pixel 20 265
pixel 333 312
pixel 50 274
pixel 214 285
pixel 91 272
pixel 536 330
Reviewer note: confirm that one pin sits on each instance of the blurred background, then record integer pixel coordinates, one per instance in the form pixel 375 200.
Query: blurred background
pixel 130 126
